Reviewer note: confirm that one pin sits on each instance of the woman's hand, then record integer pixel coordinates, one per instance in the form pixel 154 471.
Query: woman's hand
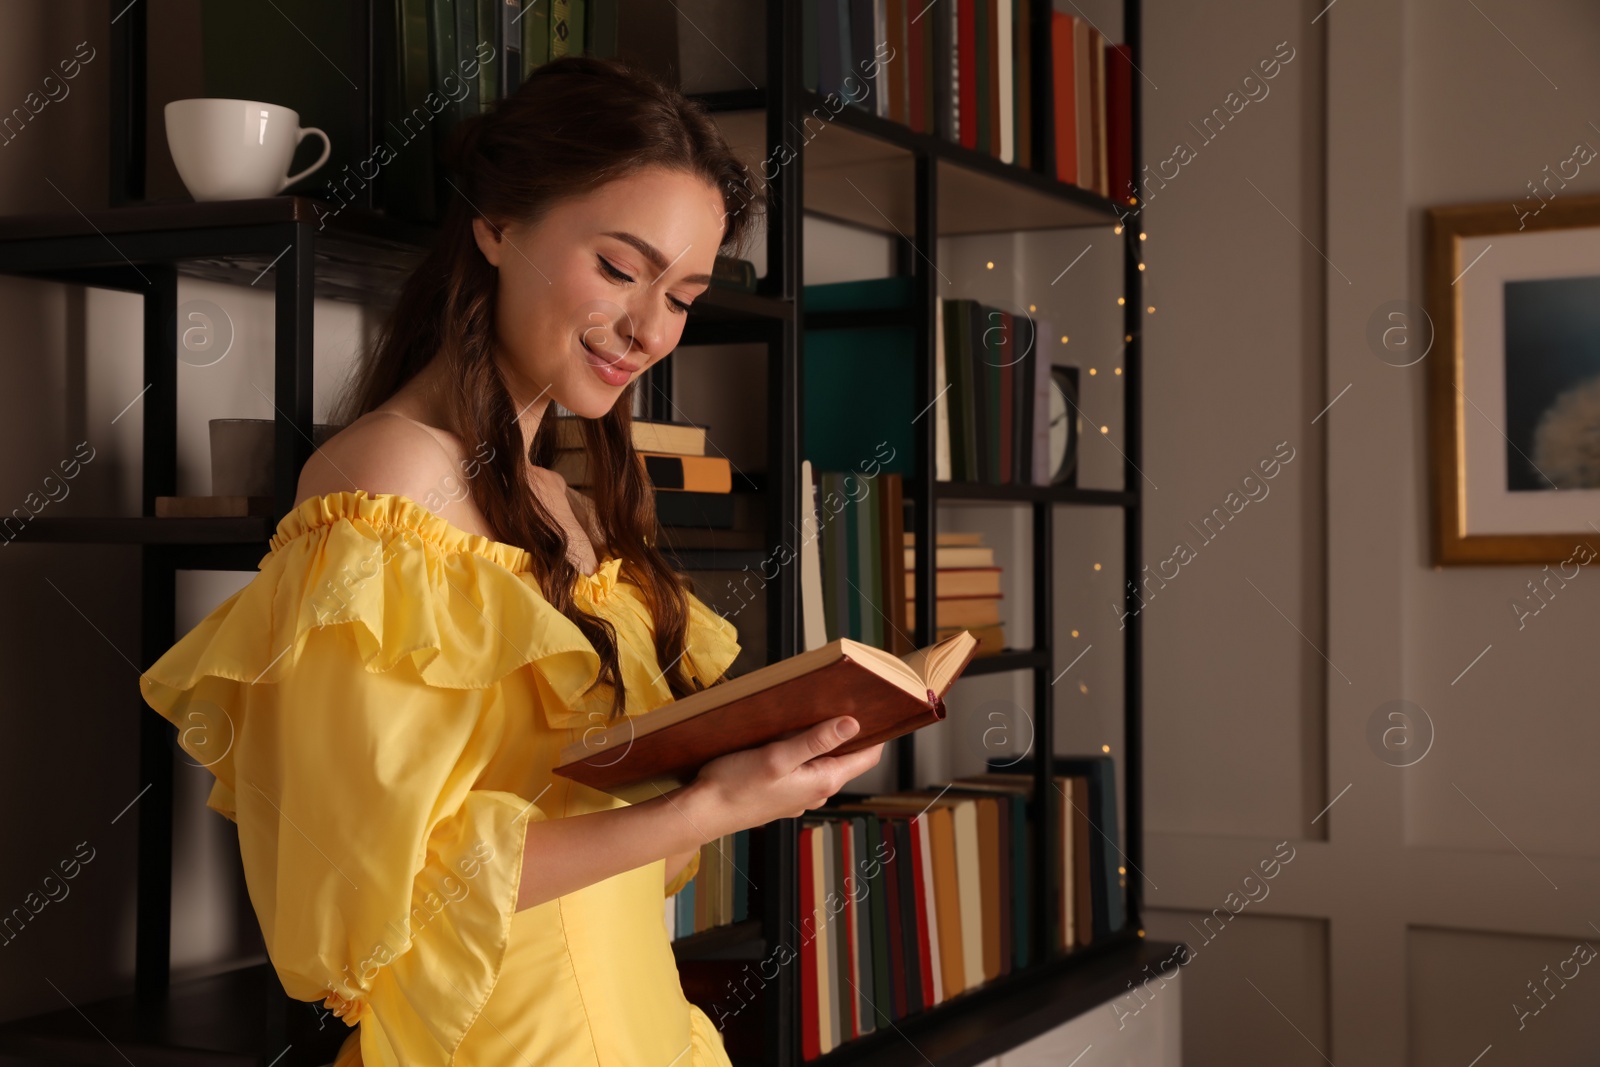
pixel 778 780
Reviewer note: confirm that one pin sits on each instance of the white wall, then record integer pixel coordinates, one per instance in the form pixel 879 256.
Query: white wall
pixel 1423 901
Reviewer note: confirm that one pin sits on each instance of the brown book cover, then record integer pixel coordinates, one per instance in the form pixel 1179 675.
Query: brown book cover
pixel 663 749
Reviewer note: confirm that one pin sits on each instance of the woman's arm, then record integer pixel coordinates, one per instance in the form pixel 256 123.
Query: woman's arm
pixel 565 855
pixel 751 787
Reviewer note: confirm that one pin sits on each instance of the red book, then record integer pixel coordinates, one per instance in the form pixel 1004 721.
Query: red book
pixel 924 917
pixel 847 834
pixel 810 1043
pixel 1008 350
pixel 1063 78
pixel 967 71
pixel 914 32
pixel 897 1006
pixel 992 23
pixel 1119 121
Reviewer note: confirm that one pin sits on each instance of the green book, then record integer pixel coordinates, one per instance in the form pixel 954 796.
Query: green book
pixel 810 58
pixel 467 38
pixel 442 63
pixel 878 887
pixel 601 32
pixel 489 34
pixel 566 28
pixel 852 568
pixel 832 551
pixel 560 28
pixel 406 184
pixel 868 551
pixel 535 26
pixel 580 27
pixel 858 837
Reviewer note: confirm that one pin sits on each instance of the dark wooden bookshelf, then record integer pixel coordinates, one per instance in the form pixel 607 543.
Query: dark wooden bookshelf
pixel 300 249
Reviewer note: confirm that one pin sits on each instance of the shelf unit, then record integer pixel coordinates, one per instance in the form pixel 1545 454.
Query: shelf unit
pixel 241 1016
pixel 855 170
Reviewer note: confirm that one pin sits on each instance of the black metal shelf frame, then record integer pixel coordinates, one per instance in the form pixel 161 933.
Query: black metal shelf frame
pixel 787 100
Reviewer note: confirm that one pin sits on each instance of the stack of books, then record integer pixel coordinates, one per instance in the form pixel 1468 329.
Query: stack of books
pixel 719 892
pixel 910 899
pixel 692 488
pixel 965 73
pixel 967 587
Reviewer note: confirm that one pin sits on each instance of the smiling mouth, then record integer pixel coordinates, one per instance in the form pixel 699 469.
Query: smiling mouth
pixel 603 361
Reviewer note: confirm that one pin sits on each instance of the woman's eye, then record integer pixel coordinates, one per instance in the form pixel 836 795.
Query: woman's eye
pixel 613 271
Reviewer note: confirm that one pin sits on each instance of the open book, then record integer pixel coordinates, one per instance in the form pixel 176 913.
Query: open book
pixel 646 755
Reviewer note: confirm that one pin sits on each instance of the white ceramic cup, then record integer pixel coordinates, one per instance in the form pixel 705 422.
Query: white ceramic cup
pixel 236 149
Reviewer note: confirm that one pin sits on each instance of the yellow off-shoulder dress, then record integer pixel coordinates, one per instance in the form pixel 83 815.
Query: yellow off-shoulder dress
pixel 381 707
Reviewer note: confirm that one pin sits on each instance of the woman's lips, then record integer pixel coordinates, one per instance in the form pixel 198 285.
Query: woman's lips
pixel 612 372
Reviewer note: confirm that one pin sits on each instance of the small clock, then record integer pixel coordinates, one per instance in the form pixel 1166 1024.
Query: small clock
pixel 1066 424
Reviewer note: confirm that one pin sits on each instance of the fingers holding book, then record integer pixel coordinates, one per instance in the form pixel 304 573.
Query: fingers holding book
pixel 784 778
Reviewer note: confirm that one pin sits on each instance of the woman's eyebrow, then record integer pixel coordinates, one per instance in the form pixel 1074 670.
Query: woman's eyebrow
pixel 653 254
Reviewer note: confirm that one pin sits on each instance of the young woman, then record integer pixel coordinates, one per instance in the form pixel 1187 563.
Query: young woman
pixel 440 614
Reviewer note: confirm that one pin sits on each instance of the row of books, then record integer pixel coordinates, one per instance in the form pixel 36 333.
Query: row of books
pixel 433 48
pixel 719 892
pixel 993 420
pixel 992 372
pixel 964 72
pixel 859 518
pixel 910 899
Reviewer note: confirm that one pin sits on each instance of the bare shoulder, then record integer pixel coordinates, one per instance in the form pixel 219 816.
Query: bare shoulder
pixel 385 452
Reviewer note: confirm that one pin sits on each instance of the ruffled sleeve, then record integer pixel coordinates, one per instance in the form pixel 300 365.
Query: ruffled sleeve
pixel 344 702
pixel 712 642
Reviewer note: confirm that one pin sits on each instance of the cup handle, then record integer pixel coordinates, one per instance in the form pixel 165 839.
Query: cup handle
pixel 327 150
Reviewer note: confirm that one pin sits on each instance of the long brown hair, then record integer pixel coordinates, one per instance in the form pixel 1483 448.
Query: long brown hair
pixel 577 123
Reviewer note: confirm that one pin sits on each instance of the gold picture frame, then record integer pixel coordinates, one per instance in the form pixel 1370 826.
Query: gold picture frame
pixel 1450 407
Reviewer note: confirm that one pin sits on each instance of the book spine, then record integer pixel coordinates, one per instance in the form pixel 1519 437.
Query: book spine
pixel 1022 25
pixel 810 1031
pixel 1024 346
pixel 510 37
pixel 535 36
pixel 604 16
pixel 561 34
pixel 467 54
pixel 977 362
pixel 1005 347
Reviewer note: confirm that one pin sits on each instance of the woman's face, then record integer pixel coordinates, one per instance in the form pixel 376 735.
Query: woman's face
pixel 595 292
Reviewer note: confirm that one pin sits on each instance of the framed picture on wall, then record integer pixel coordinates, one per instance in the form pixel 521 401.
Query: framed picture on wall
pixel 1513 290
